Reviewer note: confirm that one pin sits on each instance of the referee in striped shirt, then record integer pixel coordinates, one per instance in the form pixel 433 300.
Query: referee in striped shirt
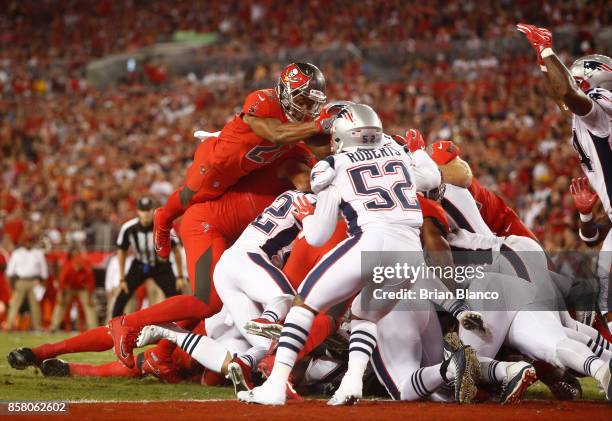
pixel 137 233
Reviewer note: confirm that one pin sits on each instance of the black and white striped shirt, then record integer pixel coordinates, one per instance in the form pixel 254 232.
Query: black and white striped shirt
pixel 140 238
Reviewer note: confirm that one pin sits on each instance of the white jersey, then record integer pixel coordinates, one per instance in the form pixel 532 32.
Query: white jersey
pixel 372 187
pixel 462 211
pixel 275 229
pixel 426 175
pixel 591 139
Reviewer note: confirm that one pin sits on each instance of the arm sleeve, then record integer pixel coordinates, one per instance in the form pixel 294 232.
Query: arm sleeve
pixel 319 227
pixel 598 119
pixel 322 174
pixel 425 171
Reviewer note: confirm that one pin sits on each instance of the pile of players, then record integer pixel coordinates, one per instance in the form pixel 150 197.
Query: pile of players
pixel 295 199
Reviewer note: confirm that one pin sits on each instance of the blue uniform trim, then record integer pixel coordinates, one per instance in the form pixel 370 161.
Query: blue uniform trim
pixel 350 216
pixel 275 273
pixel 384 375
pixel 456 214
pixel 604 154
pixel 326 263
pixel 516 262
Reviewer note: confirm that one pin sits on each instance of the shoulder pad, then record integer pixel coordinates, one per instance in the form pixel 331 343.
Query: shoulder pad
pixel 322 174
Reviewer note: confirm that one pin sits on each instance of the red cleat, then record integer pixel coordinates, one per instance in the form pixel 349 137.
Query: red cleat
pixel 162 368
pixel 264 327
pixel 161 234
pixel 239 373
pixel 124 338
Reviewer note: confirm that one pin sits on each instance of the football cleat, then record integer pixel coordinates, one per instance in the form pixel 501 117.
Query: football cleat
pixel 519 376
pixel 464 364
pixel 269 393
pixel 21 358
pixel 239 373
pixel 264 327
pixel 349 392
pixel 151 334
pixel 54 367
pixel 124 339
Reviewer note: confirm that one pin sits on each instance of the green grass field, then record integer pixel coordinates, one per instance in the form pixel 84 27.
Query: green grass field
pixel 29 384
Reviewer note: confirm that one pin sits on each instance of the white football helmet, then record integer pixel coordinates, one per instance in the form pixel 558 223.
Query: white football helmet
pixel 594 71
pixel 357 126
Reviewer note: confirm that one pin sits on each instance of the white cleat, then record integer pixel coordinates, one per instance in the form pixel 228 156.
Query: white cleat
pixel 519 376
pixel 268 393
pixel 604 377
pixel 349 392
pixel 152 333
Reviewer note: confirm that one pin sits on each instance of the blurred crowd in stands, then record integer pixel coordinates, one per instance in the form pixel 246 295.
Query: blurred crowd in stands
pixel 75 158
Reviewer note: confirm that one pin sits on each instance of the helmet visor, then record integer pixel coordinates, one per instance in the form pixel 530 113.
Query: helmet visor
pixel 306 105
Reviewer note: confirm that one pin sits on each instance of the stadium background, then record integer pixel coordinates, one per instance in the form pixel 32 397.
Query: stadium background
pixel 99 99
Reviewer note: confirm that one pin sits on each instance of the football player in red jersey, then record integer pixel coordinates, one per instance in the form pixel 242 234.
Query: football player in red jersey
pixel 207 228
pixel 271 123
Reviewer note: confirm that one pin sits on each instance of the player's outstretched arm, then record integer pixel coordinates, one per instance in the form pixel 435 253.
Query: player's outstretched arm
pixel 280 133
pixel 561 83
pixel 564 86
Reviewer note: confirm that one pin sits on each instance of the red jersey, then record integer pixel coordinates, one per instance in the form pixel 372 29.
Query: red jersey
pixel 238 150
pixel 432 209
pixel 502 220
pixel 241 203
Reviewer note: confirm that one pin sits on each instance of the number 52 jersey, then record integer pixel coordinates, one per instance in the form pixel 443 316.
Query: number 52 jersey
pixel 591 139
pixel 370 186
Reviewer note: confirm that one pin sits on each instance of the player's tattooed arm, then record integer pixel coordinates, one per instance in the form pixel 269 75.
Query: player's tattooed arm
pixel 279 133
pixel 564 87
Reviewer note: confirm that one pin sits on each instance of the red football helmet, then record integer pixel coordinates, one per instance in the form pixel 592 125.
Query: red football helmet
pixel 301 91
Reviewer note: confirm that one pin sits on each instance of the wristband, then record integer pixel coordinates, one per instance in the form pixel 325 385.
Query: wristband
pixel 588 239
pixel 547 52
pixel 586 217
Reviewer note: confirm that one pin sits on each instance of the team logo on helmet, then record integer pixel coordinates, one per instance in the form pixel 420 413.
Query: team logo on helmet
pixel 294 78
pixel 346 113
pixel 596 65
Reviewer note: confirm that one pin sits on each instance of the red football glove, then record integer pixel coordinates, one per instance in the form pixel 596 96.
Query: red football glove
pixel 584 197
pixel 415 140
pixel 302 207
pixel 325 121
pixel 539 38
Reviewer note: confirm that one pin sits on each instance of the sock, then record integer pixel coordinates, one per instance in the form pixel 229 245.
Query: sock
pixel 173 207
pixel 493 371
pixel 578 357
pixel 278 308
pixel 292 339
pixel 208 352
pixel 92 340
pixel 599 346
pixel 179 307
pixel 361 345
pixel 322 327
pixel 112 369
pixel 422 382
pixel 253 355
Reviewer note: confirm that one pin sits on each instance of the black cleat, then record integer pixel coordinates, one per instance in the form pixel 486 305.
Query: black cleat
pixel 54 367
pixel 21 358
